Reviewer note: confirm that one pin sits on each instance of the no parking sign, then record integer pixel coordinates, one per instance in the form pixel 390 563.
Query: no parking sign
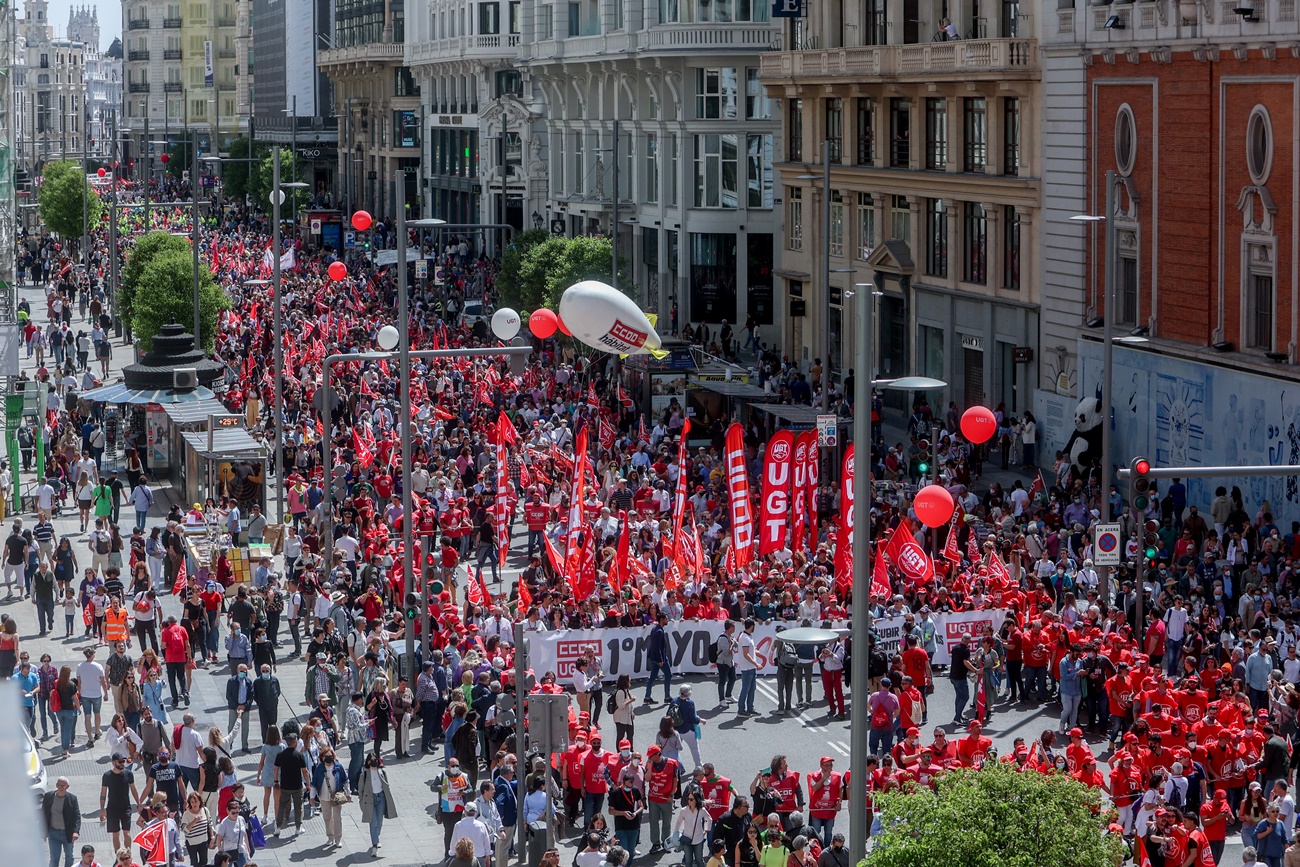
pixel 1106 544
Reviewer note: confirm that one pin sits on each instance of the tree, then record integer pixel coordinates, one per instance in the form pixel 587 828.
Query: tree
pixel 64 193
pixel 141 254
pixel 261 181
pixel 165 294
pixel 178 158
pixel 236 176
pixel 512 259
pixel 547 268
pixel 994 817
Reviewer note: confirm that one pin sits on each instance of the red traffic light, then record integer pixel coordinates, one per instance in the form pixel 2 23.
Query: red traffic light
pixel 1142 467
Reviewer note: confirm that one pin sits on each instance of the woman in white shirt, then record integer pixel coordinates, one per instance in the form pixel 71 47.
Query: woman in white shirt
pixel 121 739
pixel 693 824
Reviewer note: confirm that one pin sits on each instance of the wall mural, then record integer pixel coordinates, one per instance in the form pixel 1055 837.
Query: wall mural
pixel 1183 413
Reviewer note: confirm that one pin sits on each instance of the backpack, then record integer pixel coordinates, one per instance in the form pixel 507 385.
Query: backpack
pixel 56 702
pixel 101 542
pixel 611 704
pixel 786 655
pixel 675 714
pixel 176 736
pixel 713 650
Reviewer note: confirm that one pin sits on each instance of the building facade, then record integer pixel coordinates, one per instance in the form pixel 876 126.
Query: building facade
pixel 187 72
pixel 377 108
pixel 935 192
pixel 52 94
pixel 103 79
pixel 1194 108
pixel 478 112
pixel 292 103
pixel 692 168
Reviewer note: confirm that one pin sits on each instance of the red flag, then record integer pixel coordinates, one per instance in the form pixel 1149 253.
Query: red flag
pixel 153 843
pixel 592 400
pixel 951 550
pixel 607 435
pixel 506 430
pixel 1140 856
pixel 999 577
pixel 909 557
pixel 981 699
pixel 178 587
pixel 679 499
pixel 777 472
pixel 641 435
pixel 972 548
pixel 525 597
pixel 1038 487
pixel 552 555
pixel 474 593
pixel 798 501
pixel 742 510
pixel 364 455
pixel 623 398
pixel 502 507
pixel 880 585
pixel 525 479
pixel 844 539
pixel 576 493
pixel 812 467
pixel 619 573
pixel 482 583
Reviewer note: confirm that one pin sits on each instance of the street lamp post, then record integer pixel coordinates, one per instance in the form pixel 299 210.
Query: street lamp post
pixel 194 235
pixel 277 328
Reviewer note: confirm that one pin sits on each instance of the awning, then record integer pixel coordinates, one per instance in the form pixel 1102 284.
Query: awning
pixel 227 444
pixel 195 411
pixel 742 390
pixel 796 416
pixel 119 393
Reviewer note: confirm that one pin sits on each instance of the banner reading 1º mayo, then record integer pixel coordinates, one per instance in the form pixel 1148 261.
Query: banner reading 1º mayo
pixel 623 651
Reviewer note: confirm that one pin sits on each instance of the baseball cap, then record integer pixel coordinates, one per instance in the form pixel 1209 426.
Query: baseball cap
pixel 824 759
pixel 653 750
pixel 1076 732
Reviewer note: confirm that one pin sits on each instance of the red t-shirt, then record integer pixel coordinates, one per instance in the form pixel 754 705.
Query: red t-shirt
pixel 594 768
pixel 1215 831
pixel 916 664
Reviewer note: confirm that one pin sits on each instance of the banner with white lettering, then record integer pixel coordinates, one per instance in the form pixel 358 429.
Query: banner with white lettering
pixel 623 651
pixel 742 512
pixel 775 515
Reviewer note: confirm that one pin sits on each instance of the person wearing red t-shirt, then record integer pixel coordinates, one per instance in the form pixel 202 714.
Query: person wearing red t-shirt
pixel 916 664
pixel 943 750
pixel 662 776
pixel 825 797
pixel 597 766
pixel 1156 757
pixel 911 704
pixel 1215 816
pixel 1013 645
pixel 536 514
pixel 1125 789
pixel 1198 844
pixel 1089 775
pixel 176 651
pixel 571 773
pixel 1037 652
pixel 1119 695
pixel 974 748
pixel 1192 701
pixel 907 752
pixel 1227 768
pixel 1077 753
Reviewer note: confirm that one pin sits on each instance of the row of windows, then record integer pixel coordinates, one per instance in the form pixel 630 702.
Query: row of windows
pixel 973 226
pixel 898 154
pixel 717 94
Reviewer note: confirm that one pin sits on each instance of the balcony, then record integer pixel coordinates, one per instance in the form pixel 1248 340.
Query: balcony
pixel 173 54
pixel 138 87
pixel 488 45
pixel 137 24
pixel 225 22
pixel 370 52
pixel 137 55
pixel 171 24
pixel 173 87
pixel 967 59
pixel 690 37
pixel 226 53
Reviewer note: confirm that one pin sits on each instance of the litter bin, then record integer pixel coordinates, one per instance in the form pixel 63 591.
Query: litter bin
pixel 536 843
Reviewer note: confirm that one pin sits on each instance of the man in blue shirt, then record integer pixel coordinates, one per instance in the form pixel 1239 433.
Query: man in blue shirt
pixel 1259 665
pixel 1072 673
pixel 29 683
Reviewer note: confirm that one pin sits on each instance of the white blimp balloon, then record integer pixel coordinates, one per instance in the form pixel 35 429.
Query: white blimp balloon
pixel 505 323
pixel 604 318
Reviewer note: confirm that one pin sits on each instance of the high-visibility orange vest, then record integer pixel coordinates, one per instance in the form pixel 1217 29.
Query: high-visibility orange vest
pixel 115 625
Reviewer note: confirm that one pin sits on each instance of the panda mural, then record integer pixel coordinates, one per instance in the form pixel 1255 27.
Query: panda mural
pixel 1083 448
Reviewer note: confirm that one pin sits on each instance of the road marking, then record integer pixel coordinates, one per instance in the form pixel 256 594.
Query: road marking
pixel 769 692
pixel 842 750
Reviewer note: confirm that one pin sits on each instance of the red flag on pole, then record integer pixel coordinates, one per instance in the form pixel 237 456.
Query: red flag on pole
pixel 607 435
pixel 951 550
pixel 153 842
pixel 181 579
pixel 525 597
pixel 679 499
pixel 880 576
pixel 844 539
pixel 972 548
pixel 1038 488
pixel 742 509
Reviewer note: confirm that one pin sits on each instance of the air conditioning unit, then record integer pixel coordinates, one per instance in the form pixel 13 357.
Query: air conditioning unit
pixel 185 379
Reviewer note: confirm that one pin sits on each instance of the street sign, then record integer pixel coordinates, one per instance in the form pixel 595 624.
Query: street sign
pixel 315 226
pixel 421 269
pixel 349 240
pixel 1106 545
pixel 827 431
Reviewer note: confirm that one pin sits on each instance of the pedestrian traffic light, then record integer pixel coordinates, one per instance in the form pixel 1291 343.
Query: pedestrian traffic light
pixel 1139 496
pixel 1150 539
pixel 923 456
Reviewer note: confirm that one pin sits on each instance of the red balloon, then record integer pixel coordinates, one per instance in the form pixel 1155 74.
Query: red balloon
pixel 338 271
pixel 166 158
pixel 933 505
pixel 978 424
pixel 543 323
pixel 361 220
pixel 564 329
pixel 101 172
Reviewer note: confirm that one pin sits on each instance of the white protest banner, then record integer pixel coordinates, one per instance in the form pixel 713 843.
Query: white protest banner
pixel 948 631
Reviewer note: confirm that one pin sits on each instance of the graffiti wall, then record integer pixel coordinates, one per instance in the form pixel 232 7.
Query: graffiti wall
pixel 1183 413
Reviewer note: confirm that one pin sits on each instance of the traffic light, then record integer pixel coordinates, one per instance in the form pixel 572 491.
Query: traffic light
pixel 1150 541
pixel 923 458
pixel 1139 496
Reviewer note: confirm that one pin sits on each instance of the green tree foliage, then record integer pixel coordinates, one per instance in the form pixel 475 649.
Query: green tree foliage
pixel 260 183
pixel 64 192
pixel 995 817
pixel 141 254
pixel 165 294
pixel 512 259
pixel 236 176
pixel 548 268
pixel 178 159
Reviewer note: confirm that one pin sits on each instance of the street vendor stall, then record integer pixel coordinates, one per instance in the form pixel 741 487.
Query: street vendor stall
pixel 207 543
pixel 225 462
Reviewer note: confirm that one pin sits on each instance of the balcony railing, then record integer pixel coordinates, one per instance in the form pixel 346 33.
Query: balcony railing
pixel 666 37
pixel 137 55
pixel 226 53
pixel 173 54
pixel 137 24
pixel 973 57
pixel 138 87
pixel 171 24
pixel 361 53
pixel 225 22
pixel 173 87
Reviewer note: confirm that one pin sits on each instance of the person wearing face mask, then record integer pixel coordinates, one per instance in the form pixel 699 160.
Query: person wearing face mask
pixel 626 804
pixel 239 650
pixel 330 783
pixel 239 695
pixel 662 777
pixel 506 795
pixel 453 790
pixel 266 695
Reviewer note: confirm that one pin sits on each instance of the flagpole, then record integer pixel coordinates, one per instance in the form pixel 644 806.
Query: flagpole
pixel 408 506
pixel 859 718
pixel 277 331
